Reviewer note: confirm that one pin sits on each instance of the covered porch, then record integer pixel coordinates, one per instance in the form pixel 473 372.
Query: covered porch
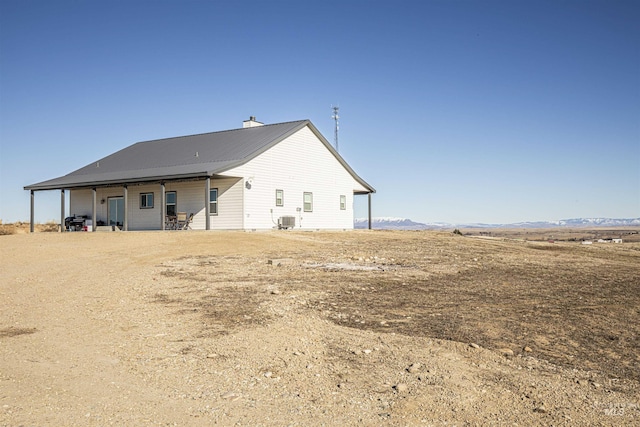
pixel 153 204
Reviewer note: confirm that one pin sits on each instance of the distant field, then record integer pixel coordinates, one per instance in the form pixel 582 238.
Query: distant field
pixel 627 234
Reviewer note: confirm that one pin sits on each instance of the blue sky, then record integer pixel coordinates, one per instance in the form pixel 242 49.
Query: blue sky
pixel 455 111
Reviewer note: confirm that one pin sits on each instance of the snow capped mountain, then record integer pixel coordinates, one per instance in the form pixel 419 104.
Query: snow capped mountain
pixel 599 222
pixel 395 223
pixel 388 223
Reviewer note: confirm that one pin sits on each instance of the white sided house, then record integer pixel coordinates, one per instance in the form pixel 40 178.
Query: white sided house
pixel 284 175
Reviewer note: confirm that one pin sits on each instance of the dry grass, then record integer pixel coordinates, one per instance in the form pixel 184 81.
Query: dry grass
pixel 573 305
pixel 20 227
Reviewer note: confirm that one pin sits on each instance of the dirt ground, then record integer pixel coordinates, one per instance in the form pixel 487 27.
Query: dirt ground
pixel 317 328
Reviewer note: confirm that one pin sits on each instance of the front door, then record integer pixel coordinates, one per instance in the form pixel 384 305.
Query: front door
pixel 116 211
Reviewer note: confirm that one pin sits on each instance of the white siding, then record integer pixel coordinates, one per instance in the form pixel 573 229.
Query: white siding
pixel 299 164
pixel 80 203
pixel 138 219
pixel 190 199
pixel 247 194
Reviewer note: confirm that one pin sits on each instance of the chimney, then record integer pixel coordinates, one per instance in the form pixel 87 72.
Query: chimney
pixel 251 123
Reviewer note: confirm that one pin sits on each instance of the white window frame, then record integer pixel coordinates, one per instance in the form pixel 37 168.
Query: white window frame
pixel 213 204
pixel 343 202
pixel 174 204
pixel 279 197
pixel 144 200
pixel 308 208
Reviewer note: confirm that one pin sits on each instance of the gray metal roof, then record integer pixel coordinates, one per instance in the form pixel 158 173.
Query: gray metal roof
pixel 184 157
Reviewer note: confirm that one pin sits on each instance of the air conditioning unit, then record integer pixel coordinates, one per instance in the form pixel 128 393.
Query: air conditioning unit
pixel 285 222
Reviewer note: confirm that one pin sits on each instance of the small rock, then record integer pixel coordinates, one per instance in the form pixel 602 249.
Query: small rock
pixel 212 356
pixel 415 367
pixel 527 349
pixel 268 374
pixel 401 388
pixel 366 351
pixel 275 292
pixel 597 385
pixel 506 352
pixel 540 409
pixel 474 345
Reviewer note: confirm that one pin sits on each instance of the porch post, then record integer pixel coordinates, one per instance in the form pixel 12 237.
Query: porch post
pixel 93 209
pixel 125 220
pixel 162 207
pixel 207 206
pixel 32 216
pixel 369 209
pixel 62 210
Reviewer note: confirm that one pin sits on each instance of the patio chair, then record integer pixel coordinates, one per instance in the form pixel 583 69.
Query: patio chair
pixel 170 222
pixel 181 220
pixel 186 225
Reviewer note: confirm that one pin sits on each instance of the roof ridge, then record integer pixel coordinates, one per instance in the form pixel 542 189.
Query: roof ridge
pixel 219 131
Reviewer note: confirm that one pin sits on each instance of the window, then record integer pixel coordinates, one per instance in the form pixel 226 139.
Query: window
pixel 343 203
pixel 172 199
pixel 308 202
pixel 213 201
pixel 279 197
pixel 146 200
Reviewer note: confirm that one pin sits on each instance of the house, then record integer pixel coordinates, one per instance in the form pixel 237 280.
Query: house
pixel 251 178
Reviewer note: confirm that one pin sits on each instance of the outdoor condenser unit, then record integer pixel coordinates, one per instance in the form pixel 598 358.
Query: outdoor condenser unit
pixel 285 222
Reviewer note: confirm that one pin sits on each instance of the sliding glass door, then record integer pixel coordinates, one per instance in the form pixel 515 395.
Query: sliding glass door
pixel 116 211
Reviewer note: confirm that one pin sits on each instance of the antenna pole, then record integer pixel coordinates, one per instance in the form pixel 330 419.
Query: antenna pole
pixel 335 117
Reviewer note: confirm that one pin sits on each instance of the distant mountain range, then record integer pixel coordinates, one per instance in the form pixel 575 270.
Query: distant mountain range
pixel 391 223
